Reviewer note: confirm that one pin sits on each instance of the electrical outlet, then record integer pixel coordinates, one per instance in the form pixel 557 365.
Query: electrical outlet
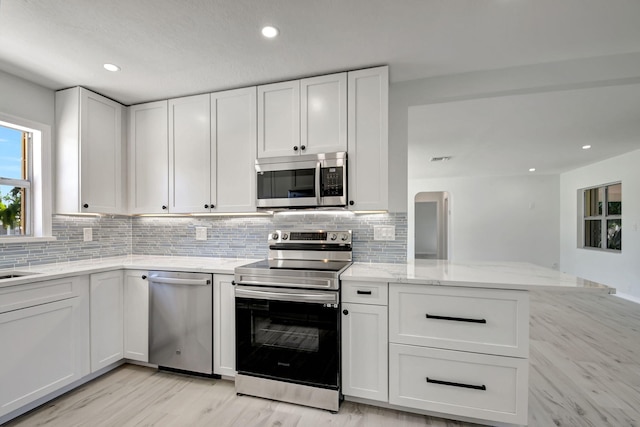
pixel 88 234
pixel 201 233
pixel 384 232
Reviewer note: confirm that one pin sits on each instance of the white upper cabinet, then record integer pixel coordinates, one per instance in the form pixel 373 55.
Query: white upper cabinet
pixel 190 155
pixel 90 157
pixel 279 119
pixel 368 154
pixel 233 134
pixel 305 116
pixel 148 158
pixel 323 114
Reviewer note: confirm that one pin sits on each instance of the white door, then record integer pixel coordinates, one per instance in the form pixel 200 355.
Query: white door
pixel 189 154
pixel 43 348
pixel 368 139
pixel 279 119
pixel 323 114
pixel 148 158
pixel 136 316
pixel 364 351
pixel 224 325
pixel 106 307
pixel 233 133
pixel 101 154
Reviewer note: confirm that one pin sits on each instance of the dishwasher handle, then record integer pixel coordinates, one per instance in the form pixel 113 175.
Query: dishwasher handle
pixel 175 281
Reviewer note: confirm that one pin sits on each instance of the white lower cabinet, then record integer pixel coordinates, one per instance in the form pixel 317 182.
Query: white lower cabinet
pixel 454 382
pixel 136 316
pixel 44 347
pixel 224 325
pixel 106 301
pixel 364 340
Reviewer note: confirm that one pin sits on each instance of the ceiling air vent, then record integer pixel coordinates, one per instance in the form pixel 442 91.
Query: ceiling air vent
pixel 440 159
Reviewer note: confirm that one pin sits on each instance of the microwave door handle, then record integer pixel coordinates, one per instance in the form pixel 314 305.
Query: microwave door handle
pixel 318 170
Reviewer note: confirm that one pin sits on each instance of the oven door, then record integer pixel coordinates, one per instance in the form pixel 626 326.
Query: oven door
pixel 288 335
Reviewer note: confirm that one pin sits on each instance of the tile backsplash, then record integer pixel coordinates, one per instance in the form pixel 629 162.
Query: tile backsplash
pixel 227 237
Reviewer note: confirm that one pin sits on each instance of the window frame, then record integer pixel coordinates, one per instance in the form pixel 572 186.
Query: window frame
pixel 603 217
pixel 26 215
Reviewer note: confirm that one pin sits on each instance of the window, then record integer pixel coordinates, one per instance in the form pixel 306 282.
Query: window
pixel 602 208
pixel 15 182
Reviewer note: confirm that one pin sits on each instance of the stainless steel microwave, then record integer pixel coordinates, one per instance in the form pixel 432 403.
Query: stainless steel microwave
pixel 308 180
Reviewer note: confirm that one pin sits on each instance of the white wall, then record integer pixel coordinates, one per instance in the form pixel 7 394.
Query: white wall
pixel 620 270
pixel 26 100
pixel 513 218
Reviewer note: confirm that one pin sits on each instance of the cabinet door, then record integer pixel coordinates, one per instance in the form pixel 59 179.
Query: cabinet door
pixel 101 127
pixel 106 296
pixel 148 158
pixel 189 154
pixel 224 325
pixel 233 133
pixel 279 119
pixel 44 348
pixel 323 114
pixel 364 351
pixel 368 154
pixel 136 316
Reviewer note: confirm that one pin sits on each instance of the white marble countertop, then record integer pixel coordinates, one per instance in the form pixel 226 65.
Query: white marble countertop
pixel 498 275
pixel 131 262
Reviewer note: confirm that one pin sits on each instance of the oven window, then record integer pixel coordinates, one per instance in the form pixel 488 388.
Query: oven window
pixel 286 184
pixel 290 341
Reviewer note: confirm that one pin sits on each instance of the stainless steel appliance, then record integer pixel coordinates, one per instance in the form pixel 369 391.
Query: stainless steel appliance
pixel 308 180
pixel 181 321
pixel 288 319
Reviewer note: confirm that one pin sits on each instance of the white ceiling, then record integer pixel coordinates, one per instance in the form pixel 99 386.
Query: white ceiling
pixel 171 48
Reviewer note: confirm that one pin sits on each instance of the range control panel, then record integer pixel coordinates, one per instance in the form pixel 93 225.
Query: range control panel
pixel 281 237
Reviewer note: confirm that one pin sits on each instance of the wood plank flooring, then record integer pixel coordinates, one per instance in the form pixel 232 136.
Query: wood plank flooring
pixel 585 371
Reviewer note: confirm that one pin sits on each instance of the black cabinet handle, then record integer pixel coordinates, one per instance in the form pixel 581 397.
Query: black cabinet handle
pixel 85 206
pixel 351 202
pixel 233 282
pixel 345 312
pixel 475 387
pixel 164 207
pixel 206 206
pixel 212 205
pixel 295 148
pixel 144 277
pixel 359 292
pixel 302 147
pixel 456 319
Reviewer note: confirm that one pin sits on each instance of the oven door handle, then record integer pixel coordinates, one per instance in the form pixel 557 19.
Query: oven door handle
pixel 285 295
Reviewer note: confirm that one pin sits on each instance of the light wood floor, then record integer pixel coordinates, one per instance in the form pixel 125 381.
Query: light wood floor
pixel 585 371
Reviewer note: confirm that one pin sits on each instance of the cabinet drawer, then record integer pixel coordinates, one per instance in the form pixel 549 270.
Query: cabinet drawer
pixel 469 319
pixel 453 382
pixel 31 294
pixel 364 292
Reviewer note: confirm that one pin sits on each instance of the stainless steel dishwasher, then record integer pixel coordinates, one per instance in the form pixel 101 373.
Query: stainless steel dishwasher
pixel 181 321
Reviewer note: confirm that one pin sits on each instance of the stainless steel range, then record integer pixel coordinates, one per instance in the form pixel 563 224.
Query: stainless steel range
pixel 288 319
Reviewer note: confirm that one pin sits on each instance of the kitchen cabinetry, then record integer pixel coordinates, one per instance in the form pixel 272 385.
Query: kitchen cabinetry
pixel 460 351
pixel 233 134
pixel 190 155
pixel 368 139
pixel 224 325
pixel 90 159
pixel 364 340
pixel 44 331
pixel 136 316
pixel 106 303
pixel 148 158
pixel 305 116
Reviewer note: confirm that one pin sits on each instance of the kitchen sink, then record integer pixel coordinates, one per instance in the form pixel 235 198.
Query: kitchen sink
pixel 11 274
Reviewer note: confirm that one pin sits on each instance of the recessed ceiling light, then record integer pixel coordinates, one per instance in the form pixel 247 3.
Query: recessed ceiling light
pixel 440 159
pixel 532 169
pixel 586 147
pixel 270 32
pixel 111 67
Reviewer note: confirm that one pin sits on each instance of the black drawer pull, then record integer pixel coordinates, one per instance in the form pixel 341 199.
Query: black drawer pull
pixel 475 387
pixel 363 292
pixel 456 319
